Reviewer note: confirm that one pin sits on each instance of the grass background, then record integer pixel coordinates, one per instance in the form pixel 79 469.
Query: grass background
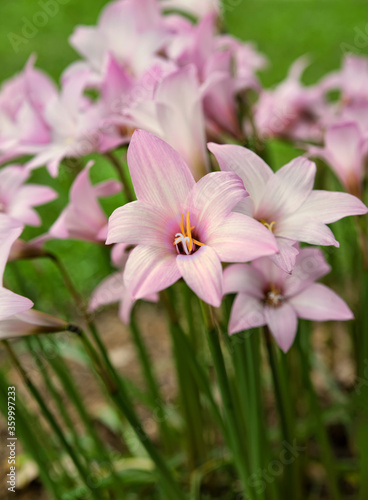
pixel 282 29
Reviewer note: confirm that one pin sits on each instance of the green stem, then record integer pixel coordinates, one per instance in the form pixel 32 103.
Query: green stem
pixel 56 396
pixel 236 439
pixel 62 372
pixel 151 380
pixel 188 389
pixel 31 439
pixel 122 401
pixel 302 342
pixel 50 418
pixel 122 175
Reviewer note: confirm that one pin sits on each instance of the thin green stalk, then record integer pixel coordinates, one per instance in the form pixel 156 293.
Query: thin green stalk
pixel 26 432
pixel 122 175
pixel 151 380
pixel 328 459
pixel 188 389
pixel 123 403
pixel 191 406
pixel 236 443
pixel 62 371
pixel 53 391
pixel 50 418
pixel 248 393
pixel 284 408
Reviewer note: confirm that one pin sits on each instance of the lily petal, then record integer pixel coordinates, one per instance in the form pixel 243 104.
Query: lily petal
pixel 329 206
pixel 137 223
pixel 320 303
pixel 245 279
pixel 202 272
pixel 253 171
pixel 242 239
pixel 149 270
pixel 283 323
pixel 159 174
pixel 247 312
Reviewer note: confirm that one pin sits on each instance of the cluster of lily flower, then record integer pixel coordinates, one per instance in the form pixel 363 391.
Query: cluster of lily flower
pixel 167 84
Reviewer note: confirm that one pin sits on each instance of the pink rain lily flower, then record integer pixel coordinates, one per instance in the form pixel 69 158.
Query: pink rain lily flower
pixel 112 289
pixel 266 295
pixel 83 218
pixel 178 121
pixel 345 151
pixel 182 228
pixel 291 110
pixel 10 303
pixel 285 201
pixel 351 80
pixel 73 121
pixel 133 31
pixel 18 199
pixel 23 100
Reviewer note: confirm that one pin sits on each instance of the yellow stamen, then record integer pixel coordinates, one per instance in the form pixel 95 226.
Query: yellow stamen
pixel 198 243
pixel 187 233
pixel 181 224
pixel 269 225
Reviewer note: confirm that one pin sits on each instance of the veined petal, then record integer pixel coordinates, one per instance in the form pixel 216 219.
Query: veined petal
pixel 253 171
pixel 202 272
pixel 285 258
pixel 213 198
pixel 283 323
pixel 138 224
pixel 30 323
pixel 286 191
pixel 307 229
pixel 159 174
pixel 10 230
pixel 11 303
pixel 109 291
pixel 245 279
pixel 310 266
pixel 149 270
pixel 320 303
pixel 241 239
pixel 247 312
pixel 327 206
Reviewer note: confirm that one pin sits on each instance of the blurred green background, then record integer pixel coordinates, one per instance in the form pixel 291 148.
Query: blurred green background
pixel 282 30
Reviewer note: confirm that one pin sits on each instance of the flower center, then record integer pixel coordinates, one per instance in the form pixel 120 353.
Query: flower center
pixel 188 244
pixel 274 297
pixel 269 225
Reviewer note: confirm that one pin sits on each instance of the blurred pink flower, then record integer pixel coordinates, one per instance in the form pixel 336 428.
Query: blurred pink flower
pixel 269 296
pixel 74 123
pixel 113 289
pixel 182 228
pixel 132 30
pixel 351 80
pixel 291 110
pixel 346 152
pixel 10 303
pixel 83 218
pixel 17 199
pixel 23 100
pixel 179 121
pixel 285 201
